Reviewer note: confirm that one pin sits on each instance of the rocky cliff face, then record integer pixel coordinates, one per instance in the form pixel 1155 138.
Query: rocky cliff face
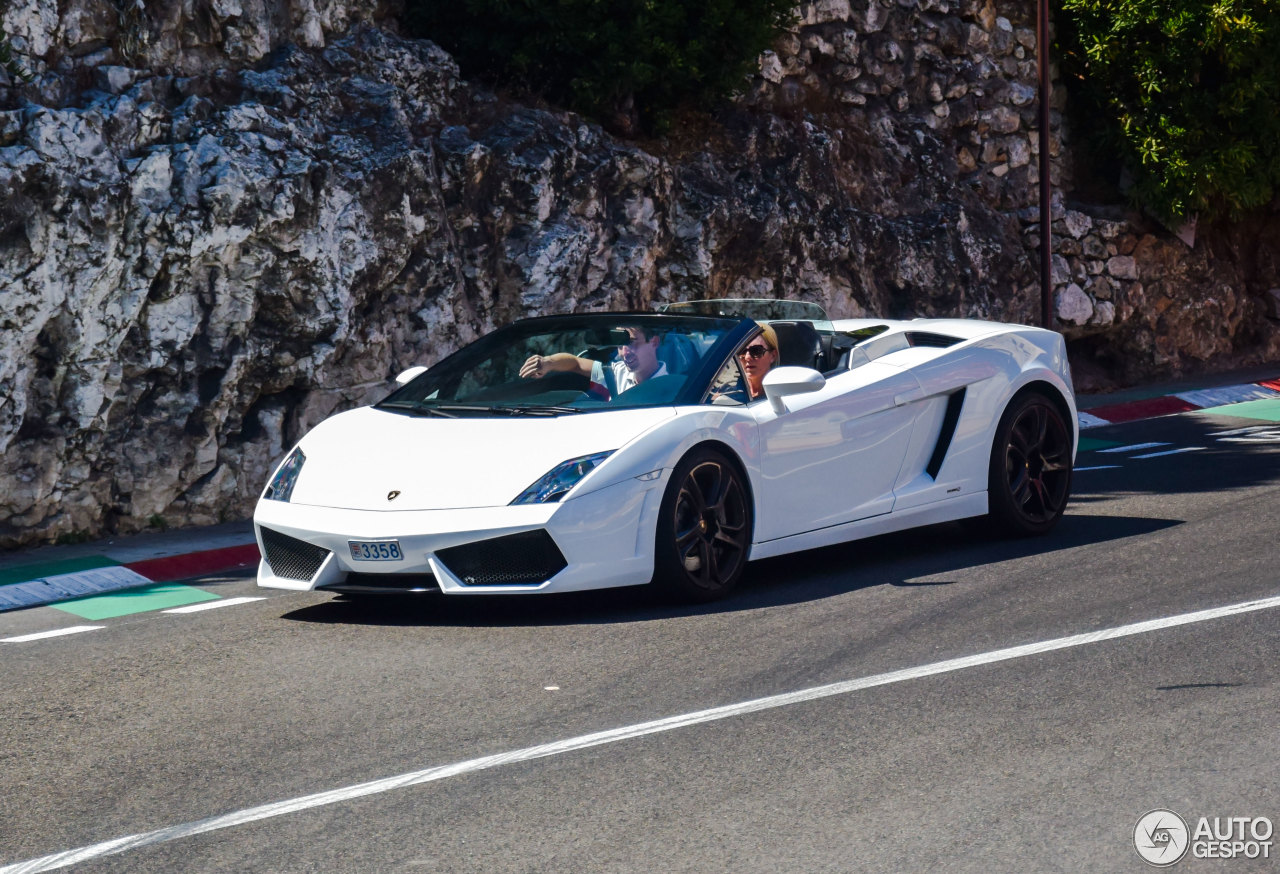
pixel 222 220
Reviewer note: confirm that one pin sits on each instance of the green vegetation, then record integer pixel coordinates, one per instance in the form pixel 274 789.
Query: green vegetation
pixel 131 30
pixel 1186 92
pixel 621 61
pixel 8 62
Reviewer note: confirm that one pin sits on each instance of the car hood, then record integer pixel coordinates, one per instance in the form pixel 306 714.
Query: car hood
pixel 356 459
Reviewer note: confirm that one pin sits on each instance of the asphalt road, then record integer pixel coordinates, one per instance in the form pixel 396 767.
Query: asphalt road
pixel 1036 761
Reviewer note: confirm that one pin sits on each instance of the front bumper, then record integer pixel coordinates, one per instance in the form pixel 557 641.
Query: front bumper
pixel 600 540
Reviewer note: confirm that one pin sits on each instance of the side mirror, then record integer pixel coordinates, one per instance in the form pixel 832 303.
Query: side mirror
pixel 782 382
pixel 410 375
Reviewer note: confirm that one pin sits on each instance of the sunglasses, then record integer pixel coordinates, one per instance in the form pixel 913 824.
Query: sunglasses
pixel 754 352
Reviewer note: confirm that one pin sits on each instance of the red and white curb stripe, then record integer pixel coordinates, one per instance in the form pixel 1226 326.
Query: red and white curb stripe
pixel 117 577
pixel 65 587
pixel 1182 402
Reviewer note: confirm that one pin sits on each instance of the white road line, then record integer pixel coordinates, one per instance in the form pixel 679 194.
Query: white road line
pixel 212 605
pixel 1134 448
pixel 600 738
pixel 1098 467
pixel 57 632
pixel 1266 435
pixel 1172 451
pixel 1235 431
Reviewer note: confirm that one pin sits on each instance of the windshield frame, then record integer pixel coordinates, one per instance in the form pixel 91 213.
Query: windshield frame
pixel 695 386
pixel 761 309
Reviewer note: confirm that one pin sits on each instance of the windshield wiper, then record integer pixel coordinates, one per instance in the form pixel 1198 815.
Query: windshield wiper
pixel 451 410
pixel 503 410
pixel 515 410
pixel 418 408
pixel 540 411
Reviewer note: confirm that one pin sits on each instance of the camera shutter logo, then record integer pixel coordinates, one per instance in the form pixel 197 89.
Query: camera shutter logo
pixel 1161 838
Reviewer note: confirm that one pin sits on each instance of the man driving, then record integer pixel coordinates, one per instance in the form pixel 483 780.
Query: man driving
pixel 637 362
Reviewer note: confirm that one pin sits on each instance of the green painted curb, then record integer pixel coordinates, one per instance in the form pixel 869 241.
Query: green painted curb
pixel 1266 410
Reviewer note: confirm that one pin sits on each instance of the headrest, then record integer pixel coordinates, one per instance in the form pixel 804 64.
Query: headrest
pixel 798 344
pixel 678 352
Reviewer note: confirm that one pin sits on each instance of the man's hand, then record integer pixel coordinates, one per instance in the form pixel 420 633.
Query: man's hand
pixel 559 362
pixel 536 366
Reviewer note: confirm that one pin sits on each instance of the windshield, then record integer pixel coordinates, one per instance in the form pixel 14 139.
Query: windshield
pixel 571 364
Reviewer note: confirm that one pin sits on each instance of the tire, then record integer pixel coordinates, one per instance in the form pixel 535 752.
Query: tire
pixel 1029 480
pixel 704 529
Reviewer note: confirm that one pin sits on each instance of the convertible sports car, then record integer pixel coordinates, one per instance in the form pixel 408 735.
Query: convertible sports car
pixel 496 472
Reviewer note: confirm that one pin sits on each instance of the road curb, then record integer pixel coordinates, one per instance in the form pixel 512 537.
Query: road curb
pixel 52 582
pixel 1179 402
pixel 195 564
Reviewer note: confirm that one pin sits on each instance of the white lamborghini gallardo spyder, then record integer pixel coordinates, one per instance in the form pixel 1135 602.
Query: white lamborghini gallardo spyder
pixel 471 478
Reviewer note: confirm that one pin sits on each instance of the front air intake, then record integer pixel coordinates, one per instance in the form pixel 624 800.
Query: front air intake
pixel 527 558
pixel 362 583
pixel 291 558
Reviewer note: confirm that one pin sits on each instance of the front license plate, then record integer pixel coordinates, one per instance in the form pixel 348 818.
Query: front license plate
pixel 375 550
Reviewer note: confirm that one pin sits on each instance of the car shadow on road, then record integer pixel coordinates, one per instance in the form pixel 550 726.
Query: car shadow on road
pixel 911 558
pixel 894 559
pixel 1197 453
pixel 1185 454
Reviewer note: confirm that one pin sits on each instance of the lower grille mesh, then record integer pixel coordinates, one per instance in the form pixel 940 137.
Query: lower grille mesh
pixel 361 582
pixel 291 558
pixel 527 558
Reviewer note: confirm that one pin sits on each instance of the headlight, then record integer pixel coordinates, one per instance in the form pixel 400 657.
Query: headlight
pixel 281 486
pixel 560 479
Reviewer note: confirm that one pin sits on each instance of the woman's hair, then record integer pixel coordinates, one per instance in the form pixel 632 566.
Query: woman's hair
pixel 770 336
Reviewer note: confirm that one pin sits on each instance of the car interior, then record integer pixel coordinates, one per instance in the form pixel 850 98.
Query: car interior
pixel 800 344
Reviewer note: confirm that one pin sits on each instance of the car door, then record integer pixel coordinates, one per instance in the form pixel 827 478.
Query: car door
pixel 834 455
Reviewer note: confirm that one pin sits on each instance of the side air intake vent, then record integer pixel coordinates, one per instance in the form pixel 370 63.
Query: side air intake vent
pixel 527 558
pixel 936 341
pixel 949 419
pixel 290 557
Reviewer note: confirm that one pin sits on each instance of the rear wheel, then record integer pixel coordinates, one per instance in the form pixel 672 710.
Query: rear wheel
pixel 1029 479
pixel 704 528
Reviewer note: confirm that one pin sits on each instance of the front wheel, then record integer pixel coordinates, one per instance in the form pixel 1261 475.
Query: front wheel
pixel 1029 479
pixel 704 529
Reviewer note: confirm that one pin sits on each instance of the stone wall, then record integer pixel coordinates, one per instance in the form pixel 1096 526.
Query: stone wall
pixel 962 72
pixel 960 76
pixel 62 41
pixel 223 220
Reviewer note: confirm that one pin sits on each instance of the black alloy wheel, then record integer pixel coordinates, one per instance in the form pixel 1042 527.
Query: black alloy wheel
pixel 704 528
pixel 1029 480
